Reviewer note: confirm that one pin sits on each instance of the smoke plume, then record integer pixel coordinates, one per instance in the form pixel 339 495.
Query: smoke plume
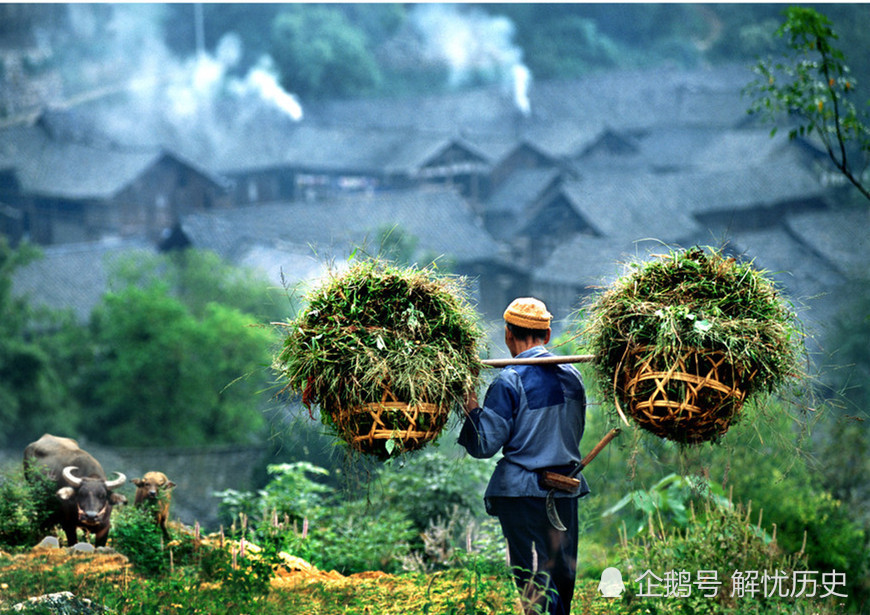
pixel 194 105
pixel 475 46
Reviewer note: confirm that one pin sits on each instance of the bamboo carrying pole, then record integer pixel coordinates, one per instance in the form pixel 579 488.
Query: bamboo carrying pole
pixel 554 360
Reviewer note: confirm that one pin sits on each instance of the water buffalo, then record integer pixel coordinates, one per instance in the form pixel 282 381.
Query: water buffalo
pixel 85 497
pixel 155 489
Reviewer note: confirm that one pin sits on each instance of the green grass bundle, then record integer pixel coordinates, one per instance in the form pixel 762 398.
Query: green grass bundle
pixel 682 341
pixel 386 352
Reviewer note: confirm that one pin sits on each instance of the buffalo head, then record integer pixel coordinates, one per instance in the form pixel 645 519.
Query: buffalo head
pixel 152 486
pixel 92 497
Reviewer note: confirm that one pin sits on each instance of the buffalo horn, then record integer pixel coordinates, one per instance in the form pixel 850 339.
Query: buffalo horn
pixel 114 484
pixel 75 481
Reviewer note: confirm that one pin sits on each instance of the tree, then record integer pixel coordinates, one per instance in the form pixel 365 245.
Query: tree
pixel 178 342
pixel 199 277
pixel 813 84
pixel 34 397
pixel 160 373
pixel 319 53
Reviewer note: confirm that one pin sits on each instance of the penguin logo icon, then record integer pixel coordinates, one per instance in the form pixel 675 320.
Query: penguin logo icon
pixel 611 585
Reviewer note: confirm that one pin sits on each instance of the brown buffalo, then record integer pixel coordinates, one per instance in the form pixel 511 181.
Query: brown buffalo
pixel 154 489
pixel 85 497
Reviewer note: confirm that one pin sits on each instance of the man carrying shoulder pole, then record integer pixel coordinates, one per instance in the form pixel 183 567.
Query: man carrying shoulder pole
pixel 535 414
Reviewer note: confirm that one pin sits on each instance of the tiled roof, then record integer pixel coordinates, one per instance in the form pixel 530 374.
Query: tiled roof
pixel 629 207
pixel 346 149
pixel 54 168
pixel 442 222
pixel 73 276
pixel 841 237
pixel 807 278
pixel 590 262
pixel 634 99
pixel 520 190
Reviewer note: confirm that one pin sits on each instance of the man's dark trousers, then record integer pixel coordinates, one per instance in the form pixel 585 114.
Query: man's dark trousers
pixel 554 567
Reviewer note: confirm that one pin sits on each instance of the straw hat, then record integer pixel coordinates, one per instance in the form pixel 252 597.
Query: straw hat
pixel 529 313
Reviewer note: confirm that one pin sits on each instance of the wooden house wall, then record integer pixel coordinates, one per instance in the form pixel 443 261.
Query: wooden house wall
pixel 758 217
pixel 554 222
pixel 263 186
pixel 562 300
pixel 157 199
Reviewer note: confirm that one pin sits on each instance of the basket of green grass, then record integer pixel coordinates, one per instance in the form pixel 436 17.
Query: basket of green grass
pixel 386 352
pixel 682 341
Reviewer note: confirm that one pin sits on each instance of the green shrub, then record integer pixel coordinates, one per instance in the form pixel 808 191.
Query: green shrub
pixel 135 534
pixel 291 493
pixel 670 499
pixel 429 484
pixel 724 546
pixel 353 537
pixel 24 506
pixel 243 572
pixel 308 519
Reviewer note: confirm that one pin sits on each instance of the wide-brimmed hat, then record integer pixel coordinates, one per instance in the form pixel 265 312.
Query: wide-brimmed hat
pixel 529 313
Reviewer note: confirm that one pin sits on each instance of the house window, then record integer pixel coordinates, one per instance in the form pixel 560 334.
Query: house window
pixel 253 191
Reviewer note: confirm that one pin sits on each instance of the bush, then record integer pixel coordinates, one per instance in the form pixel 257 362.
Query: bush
pixel 430 484
pixel 24 506
pixel 245 572
pixel 135 534
pixel 726 547
pixel 282 513
pixel 357 536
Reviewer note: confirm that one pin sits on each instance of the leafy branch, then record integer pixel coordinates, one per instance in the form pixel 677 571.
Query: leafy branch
pixel 813 83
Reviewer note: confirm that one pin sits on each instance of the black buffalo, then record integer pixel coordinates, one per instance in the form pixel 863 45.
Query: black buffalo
pixel 85 497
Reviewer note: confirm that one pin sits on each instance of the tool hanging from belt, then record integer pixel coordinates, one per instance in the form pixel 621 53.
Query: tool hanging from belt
pixel 561 482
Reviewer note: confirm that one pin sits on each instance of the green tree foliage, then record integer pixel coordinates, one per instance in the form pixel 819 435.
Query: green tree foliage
pixel 571 46
pixel 33 392
pixel 200 277
pixel 320 53
pixel 160 369
pixel 814 85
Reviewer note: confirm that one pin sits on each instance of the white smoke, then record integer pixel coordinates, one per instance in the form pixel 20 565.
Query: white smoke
pixel 203 79
pixel 194 105
pixel 521 78
pixel 474 45
pixel 263 82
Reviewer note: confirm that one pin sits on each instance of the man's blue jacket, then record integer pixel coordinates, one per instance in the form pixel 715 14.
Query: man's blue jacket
pixel 536 415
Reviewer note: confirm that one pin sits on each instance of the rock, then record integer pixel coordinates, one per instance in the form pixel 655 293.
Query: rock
pixel 49 542
pixel 62 603
pixel 82 547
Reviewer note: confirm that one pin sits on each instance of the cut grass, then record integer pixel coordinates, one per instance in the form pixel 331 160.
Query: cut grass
pixel 379 327
pixel 694 299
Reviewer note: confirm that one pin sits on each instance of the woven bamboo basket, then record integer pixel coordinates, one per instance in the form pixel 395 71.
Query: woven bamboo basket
pixel 692 400
pixel 370 428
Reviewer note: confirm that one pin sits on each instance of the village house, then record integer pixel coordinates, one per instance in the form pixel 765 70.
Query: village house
pixel 290 240
pixel 603 170
pixel 60 189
